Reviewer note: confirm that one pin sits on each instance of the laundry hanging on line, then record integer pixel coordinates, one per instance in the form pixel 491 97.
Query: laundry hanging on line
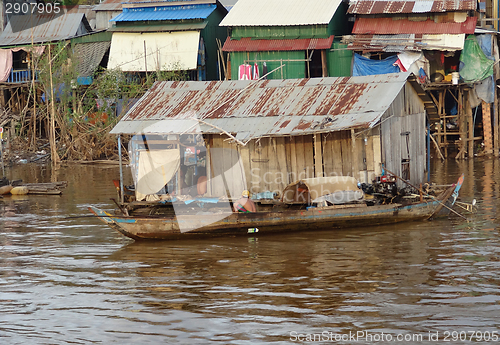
pixel 246 72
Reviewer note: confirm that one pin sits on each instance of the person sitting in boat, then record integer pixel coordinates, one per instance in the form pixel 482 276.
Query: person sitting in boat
pixel 244 204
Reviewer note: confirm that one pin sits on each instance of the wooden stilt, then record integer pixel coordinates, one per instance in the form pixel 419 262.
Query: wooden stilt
pixel 470 121
pixel 488 142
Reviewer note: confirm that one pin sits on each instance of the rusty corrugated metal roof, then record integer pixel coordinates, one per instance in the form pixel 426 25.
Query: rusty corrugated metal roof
pixel 402 42
pixel 394 7
pixel 247 44
pixel 253 109
pixel 384 26
pixel 43 28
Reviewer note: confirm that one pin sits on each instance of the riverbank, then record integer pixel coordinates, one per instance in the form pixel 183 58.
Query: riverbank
pixel 87 148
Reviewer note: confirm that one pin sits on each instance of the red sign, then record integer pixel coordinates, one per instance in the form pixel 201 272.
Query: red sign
pixel 1 129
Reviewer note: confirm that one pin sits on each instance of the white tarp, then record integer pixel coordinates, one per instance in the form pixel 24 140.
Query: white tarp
pixel 165 51
pixel 156 169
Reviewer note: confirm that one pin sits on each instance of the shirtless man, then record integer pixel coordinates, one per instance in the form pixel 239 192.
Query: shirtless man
pixel 244 204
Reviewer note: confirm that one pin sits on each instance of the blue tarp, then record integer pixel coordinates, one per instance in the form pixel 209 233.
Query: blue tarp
pixel 363 66
pixel 183 12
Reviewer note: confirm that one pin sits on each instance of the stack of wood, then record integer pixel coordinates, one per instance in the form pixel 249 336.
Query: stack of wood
pixel 50 188
pixel 19 188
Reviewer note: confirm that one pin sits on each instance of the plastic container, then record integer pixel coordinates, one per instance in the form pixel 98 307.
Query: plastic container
pixel 455 77
pixel 20 190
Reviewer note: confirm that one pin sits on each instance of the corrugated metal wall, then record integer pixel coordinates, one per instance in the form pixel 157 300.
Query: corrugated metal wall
pixel 280 32
pixel 291 70
pixel 209 34
pixel 339 60
pixel 103 18
pixel 394 145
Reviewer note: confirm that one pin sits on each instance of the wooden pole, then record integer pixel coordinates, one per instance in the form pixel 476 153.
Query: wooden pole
pixel 52 136
pixel 470 150
pixel 354 157
pixel 318 157
pixel 32 55
pixel 324 66
pixel 437 147
pixel 34 98
pixel 145 59
pixel 1 152
pixel 496 74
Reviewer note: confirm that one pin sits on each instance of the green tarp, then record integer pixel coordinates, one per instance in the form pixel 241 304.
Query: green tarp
pixel 474 65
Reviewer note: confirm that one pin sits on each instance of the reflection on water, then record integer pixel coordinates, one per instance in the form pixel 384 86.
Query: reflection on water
pixel 67 278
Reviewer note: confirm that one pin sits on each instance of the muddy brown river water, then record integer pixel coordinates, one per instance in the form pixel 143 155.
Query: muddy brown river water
pixel 67 279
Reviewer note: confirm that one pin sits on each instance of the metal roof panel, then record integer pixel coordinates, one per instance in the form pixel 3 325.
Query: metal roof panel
pixel 398 6
pixel 165 13
pixel 281 12
pixel 110 5
pixel 402 42
pixel 387 25
pixel 43 28
pixel 248 44
pixel 263 108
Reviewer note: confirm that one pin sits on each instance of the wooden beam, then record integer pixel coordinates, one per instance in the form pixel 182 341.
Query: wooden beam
pixel 354 156
pixel 324 66
pixel 318 156
pixel 470 121
pixel 488 140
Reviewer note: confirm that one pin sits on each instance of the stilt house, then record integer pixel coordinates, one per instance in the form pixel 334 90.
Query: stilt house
pixel 455 60
pixel 168 36
pixel 287 38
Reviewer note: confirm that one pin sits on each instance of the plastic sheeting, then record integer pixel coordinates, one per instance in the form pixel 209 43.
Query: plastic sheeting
pixel 6 59
pixel 156 169
pixel 474 64
pixel 363 66
pixel 5 64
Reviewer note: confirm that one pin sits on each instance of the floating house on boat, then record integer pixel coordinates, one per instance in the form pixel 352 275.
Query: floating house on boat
pixel 439 41
pixel 289 38
pixel 168 36
pixel 274 132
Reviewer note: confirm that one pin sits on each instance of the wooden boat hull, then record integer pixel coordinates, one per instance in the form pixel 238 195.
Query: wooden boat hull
pixel 268 222
pixel 224 224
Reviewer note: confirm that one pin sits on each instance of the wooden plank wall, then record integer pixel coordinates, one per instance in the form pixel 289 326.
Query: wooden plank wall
pixel 270 164
pixel 226 170
pixel 267 164
pixel 338 155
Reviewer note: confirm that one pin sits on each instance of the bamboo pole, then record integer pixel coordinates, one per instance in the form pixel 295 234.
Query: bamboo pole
pixel 437 147
pixel 32 54
pixel 470 121
pixel 52 135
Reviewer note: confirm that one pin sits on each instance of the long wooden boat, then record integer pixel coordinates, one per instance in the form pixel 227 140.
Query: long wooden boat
pixel 204 224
